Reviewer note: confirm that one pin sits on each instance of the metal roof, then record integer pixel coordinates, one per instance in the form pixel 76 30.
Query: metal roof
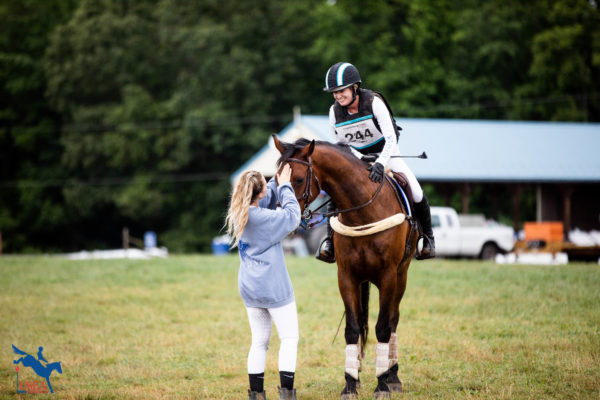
pixel 474 150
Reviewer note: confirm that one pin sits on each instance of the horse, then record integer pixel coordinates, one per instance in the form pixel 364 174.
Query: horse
pixel 37 366
pixel 380 258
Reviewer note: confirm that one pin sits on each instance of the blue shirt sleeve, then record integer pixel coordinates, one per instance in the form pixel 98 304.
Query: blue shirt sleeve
pixel 270 199
pixel 282 221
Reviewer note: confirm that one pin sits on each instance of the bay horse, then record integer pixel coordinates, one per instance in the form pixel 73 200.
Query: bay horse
pixel 381 258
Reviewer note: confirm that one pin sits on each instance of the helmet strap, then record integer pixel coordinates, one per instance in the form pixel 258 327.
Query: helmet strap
pixel 354 95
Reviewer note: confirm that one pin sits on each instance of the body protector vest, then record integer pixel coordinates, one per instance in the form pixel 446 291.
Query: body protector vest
pixel 361 130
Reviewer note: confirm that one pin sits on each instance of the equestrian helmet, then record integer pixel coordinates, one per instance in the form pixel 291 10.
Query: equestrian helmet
pixel 341 76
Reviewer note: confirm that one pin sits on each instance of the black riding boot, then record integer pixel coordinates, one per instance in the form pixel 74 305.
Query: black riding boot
pixel 326 252
pixel 256 395
pixel 423 215
pixel 287 394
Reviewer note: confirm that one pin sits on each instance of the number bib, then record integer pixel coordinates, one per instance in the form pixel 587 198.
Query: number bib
pixel 360 133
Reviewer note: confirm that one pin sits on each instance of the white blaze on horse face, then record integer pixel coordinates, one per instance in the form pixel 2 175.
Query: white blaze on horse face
pixel 352 361
pixel 382 364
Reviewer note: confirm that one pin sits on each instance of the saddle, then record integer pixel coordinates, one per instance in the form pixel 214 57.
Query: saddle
pixel 400 186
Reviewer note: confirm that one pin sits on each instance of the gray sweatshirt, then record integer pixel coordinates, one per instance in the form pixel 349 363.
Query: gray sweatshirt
pixel 263 279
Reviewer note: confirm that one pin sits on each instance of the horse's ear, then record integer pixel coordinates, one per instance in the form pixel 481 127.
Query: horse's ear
pixel 277 143
pixel 308 149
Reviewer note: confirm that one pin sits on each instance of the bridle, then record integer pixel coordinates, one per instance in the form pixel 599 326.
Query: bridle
pixel 307 194
pixel 309 175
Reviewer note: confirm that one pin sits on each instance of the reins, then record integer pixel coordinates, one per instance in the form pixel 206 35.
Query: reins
pixel 307 215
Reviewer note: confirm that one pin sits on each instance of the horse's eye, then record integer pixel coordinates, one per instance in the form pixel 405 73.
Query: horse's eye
pixel 298 181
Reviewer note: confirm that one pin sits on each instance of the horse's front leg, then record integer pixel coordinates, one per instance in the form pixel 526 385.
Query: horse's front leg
pixel 350 295
pixel 391 291
pixel 386 353
pixel 49 385
pixel 393 381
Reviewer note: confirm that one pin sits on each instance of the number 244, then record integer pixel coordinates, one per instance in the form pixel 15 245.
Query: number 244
pixel 358 135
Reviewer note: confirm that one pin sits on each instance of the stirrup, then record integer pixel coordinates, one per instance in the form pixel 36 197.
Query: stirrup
pixel 325 252
pixel 428 250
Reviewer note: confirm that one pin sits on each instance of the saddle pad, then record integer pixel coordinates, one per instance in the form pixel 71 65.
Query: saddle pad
pixel 403 197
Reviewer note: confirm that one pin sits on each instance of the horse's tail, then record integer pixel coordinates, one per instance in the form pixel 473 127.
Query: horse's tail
pixel 363 321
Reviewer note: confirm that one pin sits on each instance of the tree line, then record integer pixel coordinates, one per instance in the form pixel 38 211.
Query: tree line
pixel 134 112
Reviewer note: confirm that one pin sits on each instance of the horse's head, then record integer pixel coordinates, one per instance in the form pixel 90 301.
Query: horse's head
pixel 303 180
pixel 54 366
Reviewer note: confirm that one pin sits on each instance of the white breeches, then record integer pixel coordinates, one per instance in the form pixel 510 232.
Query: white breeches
pixel 397 164
pixel 286 322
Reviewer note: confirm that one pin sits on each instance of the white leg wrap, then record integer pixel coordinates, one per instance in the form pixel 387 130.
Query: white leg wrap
pixel 382 363
pixel 393 350
pixel 352 361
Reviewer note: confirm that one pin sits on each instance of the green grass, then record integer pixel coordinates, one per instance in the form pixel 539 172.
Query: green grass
pixel 177 329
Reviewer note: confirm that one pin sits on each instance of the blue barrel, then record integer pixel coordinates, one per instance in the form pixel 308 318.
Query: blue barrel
pixel 220 245
pixel 149 240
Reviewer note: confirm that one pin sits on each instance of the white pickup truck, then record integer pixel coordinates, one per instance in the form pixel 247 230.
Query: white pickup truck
pixel 468 235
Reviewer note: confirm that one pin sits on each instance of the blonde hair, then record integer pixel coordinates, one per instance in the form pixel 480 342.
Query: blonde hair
pixel 248 188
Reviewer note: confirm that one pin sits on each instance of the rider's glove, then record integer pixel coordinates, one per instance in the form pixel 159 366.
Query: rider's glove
pixel 376 172
pixel 369 158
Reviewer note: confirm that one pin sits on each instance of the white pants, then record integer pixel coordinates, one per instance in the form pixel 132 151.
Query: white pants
pixel 397 164
pixel 286 322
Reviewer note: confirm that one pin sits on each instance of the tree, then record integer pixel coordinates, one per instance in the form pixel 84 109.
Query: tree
pixel 565 68
pixel 29 149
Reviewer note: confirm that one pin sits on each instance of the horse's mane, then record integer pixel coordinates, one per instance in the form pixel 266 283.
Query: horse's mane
pixel 292 148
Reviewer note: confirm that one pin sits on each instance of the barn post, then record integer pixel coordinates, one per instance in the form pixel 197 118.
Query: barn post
pixel 517 191
pixel 567 193
pixel 465 192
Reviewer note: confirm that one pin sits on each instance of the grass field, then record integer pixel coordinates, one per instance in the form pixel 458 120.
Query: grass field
pixel 177 329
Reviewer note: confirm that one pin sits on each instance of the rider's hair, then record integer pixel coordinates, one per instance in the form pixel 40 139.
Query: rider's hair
pixel 248 188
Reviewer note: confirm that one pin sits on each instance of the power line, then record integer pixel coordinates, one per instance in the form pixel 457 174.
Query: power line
pixel 510 103
pixel 117 181
pixel 267 119
pixel 155 124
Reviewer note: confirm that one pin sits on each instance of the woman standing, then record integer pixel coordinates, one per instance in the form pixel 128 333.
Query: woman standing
pixel 257 227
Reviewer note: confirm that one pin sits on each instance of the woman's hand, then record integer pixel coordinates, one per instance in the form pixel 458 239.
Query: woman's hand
pixel 284 174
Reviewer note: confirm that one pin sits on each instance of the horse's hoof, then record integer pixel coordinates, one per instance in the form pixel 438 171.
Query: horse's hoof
pixel 395 387
pixel 349 396
pixel 382 395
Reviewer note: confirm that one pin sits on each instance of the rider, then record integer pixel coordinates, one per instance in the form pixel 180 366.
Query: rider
pixel 40 355
pixel 362 118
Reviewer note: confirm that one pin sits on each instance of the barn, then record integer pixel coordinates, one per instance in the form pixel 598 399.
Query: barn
pixel 558 161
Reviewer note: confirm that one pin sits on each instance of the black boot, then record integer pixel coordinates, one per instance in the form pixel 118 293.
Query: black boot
pixel 326 252
pixel 423 215
pixel 257 395
pixel 287 394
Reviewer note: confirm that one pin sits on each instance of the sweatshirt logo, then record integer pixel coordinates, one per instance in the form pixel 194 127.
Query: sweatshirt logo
pixel 243 246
